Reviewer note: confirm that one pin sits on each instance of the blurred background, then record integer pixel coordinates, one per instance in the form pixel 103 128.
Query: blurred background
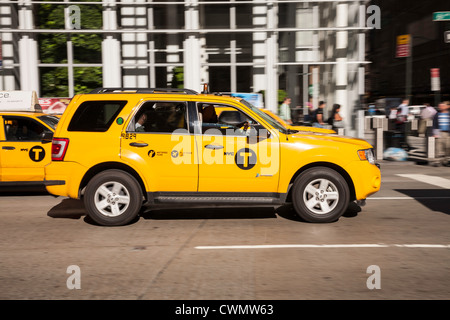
pixel 363 55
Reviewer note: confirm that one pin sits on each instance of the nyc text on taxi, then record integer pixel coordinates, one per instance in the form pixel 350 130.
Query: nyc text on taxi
pixel 23 153
pixel 121 149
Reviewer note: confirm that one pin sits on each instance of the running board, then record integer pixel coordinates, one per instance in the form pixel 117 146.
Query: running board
pixel 213 198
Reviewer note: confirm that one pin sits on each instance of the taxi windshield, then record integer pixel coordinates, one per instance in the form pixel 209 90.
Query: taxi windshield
pixel 51 121
pixel 266 117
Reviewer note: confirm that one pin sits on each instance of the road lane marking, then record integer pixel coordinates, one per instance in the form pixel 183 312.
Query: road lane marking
pixel 436 181
pixel 330 246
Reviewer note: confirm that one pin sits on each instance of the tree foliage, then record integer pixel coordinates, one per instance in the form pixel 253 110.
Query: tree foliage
pixel 53 49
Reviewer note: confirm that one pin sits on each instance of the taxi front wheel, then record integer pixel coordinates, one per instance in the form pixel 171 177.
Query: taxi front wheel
pixel 320 194
pixel 113 198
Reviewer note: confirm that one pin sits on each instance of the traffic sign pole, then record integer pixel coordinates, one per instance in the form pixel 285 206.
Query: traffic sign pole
pixel 447 36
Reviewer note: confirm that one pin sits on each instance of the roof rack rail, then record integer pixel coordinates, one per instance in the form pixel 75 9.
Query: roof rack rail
pixel 143 90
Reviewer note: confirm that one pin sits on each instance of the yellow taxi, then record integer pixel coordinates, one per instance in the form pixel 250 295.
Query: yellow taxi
pixel 121 149
pixel 23 152
pixel 296 128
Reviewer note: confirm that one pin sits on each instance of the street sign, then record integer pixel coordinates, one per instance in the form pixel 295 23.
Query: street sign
pixel 447 36
pixel 441 16
pixel 435 79
pixel 403 45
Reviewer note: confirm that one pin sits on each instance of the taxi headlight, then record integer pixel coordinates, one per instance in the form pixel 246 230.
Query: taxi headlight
pixel 367 154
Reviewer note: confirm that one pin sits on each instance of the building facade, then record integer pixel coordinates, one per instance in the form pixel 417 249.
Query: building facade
pixel 308 50
pixel 409 75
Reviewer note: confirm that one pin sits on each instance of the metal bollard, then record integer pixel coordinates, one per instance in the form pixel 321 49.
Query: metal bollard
pixel 431 148
pixel 430 141
pixel 414 125
pixel 360 124
pixel 378 124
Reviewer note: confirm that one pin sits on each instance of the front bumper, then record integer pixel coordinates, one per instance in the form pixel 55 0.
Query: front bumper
pixel 366 178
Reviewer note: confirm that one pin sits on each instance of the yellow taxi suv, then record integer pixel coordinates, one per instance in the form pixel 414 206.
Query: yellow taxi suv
pixel 122 149
pixel 23 149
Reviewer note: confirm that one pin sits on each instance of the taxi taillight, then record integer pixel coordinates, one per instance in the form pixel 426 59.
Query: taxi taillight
pixel 59 148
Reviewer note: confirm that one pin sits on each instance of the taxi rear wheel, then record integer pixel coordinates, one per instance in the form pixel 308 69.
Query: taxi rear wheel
pixel 320 194
pixel 113 198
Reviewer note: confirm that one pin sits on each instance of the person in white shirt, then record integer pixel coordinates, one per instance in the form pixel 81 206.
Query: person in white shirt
pixel 285 111
pixel 403 110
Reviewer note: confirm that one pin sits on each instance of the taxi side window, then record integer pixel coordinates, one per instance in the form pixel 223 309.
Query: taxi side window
pixel 95 116
pixel 223 118
pixel 164 117
pixel 23 129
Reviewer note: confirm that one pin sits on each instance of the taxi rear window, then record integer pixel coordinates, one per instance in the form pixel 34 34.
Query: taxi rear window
pixel 95 116
pixel 51 121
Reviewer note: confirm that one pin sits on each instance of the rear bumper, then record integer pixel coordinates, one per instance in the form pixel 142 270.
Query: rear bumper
pixel 67 177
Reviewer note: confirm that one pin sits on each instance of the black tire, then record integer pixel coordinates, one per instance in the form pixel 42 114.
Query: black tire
pixel 320 194
pixel 113 198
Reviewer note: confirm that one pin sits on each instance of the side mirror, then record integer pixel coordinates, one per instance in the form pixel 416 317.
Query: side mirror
pixel 46 137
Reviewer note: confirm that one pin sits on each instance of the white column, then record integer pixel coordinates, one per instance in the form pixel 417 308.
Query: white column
pixel 233 59
pixel 151 48
pixel 28 52
pixel 173 46
pixel 271 98
pixel 259 21
pixel 134 45
pixel 192 78
pixel 112 75
pixel 341 60
pixel 361 69
pixel 315 70
pixel 6 77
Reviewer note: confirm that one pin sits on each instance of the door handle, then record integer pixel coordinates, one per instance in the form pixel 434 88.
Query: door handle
pixel 213 146
pixel 8 148
pixel 139 144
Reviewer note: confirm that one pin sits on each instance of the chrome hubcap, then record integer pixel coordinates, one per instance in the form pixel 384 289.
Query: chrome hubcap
pixel 112 199
pixel 321 196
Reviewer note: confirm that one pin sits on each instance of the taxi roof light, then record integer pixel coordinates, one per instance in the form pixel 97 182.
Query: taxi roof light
pixel 19 101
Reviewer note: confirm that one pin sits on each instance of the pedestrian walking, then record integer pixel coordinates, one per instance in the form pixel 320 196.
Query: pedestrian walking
pixel 285 110
pixel 441 131
pixel 335 119
pixel 402 118
pixel 427 114
pixel 318 121
pixel 403 111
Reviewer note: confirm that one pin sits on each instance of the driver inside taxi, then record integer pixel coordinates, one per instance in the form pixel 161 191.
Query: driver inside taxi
pixel 209 114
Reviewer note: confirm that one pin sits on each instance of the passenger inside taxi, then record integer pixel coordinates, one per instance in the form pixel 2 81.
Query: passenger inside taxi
pixel 209 114
pixel 140 123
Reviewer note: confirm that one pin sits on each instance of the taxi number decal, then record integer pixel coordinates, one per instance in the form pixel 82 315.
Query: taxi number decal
pixel 37 154
pixel 128 135
pixel 245 158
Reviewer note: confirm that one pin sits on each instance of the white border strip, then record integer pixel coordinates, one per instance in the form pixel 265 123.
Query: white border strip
pixel 332 246
pixel 407 198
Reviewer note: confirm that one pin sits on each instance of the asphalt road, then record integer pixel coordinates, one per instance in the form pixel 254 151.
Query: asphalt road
pixel 396 247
